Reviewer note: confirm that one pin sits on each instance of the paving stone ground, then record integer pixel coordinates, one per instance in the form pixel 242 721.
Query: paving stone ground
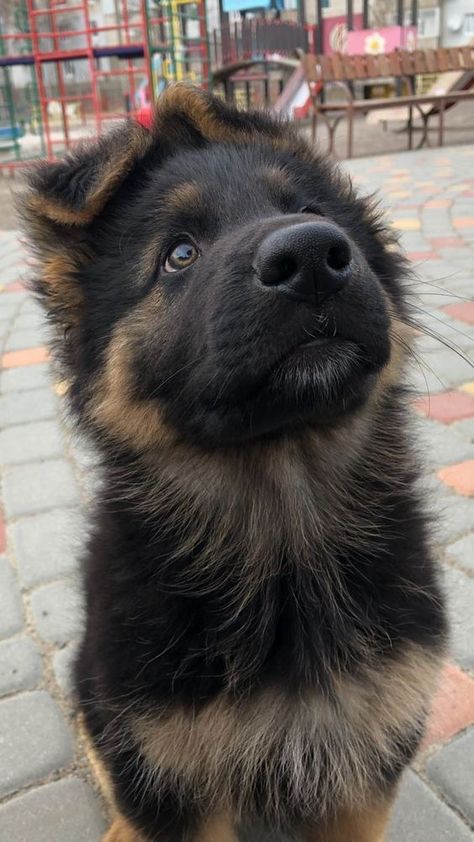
pixel 47 791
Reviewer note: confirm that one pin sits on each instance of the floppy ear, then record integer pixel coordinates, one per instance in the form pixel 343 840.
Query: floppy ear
pixel 61 203
pixel 73 191
pixel 188 114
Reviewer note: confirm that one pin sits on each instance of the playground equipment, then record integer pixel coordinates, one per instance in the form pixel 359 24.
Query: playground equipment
pixel 64 74
pixel 16 116
pixel 69 69
pixel 253 60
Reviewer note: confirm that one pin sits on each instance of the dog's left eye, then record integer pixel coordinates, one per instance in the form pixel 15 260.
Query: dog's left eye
pixel 182 255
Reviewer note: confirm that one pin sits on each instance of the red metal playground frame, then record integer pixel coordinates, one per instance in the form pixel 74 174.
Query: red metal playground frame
pixel 127 47
pixel 145 44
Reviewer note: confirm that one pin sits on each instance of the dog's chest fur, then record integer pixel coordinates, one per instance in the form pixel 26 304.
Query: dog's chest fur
pixel 279 750
pixel 274 632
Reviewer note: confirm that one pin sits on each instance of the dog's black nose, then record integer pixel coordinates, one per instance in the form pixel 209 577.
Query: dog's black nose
pixel 312 258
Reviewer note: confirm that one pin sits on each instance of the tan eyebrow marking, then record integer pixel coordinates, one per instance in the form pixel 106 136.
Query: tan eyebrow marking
pixel 183 196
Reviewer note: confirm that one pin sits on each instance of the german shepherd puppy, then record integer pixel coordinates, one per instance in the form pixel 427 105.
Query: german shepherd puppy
pixel 264 625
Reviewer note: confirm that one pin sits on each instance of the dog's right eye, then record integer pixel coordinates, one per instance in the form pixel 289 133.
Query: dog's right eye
pixel 182 255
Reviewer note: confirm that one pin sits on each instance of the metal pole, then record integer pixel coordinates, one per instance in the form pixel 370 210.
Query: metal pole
pixel 300 11
pixel 206 58
pixel 414 22
pixel 8 93
pixel 399 12
pixel 350 15
pixel 148 48
pixel 93 68
pixel 350 85
pixel 39 79
pixel 319 30
pixel 23 25
pixel 11 111
pixel 398 82
pixel 365 14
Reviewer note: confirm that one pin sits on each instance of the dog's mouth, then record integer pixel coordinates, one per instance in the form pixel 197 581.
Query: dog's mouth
pixel 318 356
pixel 274 383
pixel 291 368
pixel 323 371
pixel 319 347
pixel 317 381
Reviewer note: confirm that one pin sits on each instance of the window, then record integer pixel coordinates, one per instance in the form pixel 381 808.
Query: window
pixel 428 23
pixel 468 26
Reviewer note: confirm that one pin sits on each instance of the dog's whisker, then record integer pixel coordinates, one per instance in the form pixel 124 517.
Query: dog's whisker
pixel 426 331
pixel 432 315
pixel 173 375
pixel 422 365
pixel 419 295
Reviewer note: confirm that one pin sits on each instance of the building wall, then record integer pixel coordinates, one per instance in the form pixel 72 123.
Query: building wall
pixel 447 23
pixel 457 24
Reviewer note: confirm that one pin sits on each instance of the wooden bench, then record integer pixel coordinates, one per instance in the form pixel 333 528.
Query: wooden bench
pixel 343 71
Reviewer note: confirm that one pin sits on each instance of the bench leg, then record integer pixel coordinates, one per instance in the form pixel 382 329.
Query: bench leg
pixel 314 123
pixel 410 127
pixel 350 132
pixel 424 132
pixel 332 133
pixel 441 123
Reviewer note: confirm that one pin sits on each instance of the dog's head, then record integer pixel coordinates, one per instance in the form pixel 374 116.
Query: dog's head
pixel 212 279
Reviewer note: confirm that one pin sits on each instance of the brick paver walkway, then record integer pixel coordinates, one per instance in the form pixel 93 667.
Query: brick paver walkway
pixel 47 793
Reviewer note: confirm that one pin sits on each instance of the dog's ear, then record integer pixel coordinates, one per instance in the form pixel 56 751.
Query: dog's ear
pixel 73 191
pixel 62 200
pixel 186 115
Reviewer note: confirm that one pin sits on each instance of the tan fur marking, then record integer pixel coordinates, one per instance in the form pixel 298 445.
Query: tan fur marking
pixel 115 410
pixel 183 197
pixel 401 340
pixel 59 213
pixel 356 825
pixel 122 831
pixel 216 829
pixel 193 103
pixel 256 500
pixel 228 742
pixel 98 768
pixel 58 274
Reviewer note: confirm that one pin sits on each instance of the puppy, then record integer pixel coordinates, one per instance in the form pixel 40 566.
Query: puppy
pixel 264 625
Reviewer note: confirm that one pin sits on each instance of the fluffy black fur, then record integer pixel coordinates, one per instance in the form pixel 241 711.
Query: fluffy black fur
pixel 229 368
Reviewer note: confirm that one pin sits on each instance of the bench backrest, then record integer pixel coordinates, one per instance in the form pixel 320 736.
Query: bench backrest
pixel 339 67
